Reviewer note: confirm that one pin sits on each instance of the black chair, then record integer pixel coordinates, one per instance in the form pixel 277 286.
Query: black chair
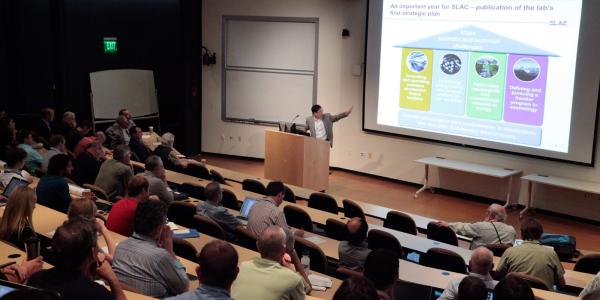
pixel 194 190
pixel 216 176
pixel 254 186
pixel 207 226
pixel 138 169
pixel 352 209
pixel 182 213
pixel 498 249
pixel 318 260
pixel 289 195
pixel 378 239
pixel 298 218
pixel 135 157
pixel 400 221
pixel 199 171
pixel 246 238
pixel 324 202
pixel 588 264
pixel 230 200
pixel 441 234
pixel 335 229
pixel 443 259
pixel 185 249
pixel 533 281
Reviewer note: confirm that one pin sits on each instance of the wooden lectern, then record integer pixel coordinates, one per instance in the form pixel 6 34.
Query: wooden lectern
pixel 297 159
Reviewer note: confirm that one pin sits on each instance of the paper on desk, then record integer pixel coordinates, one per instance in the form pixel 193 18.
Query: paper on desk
pixel 316 280
pixel 173 226
pixel 181 231
pixel 315 239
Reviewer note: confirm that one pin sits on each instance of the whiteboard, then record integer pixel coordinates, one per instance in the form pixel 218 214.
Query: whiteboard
pixel 113 90
pixel 269 69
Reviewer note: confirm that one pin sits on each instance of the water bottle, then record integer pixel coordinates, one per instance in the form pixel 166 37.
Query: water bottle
pixel 305 260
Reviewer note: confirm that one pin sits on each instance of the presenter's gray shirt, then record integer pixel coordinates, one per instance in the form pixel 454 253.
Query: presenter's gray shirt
pixel 328 120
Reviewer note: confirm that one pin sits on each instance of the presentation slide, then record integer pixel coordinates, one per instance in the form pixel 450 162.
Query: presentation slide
pixel 501 71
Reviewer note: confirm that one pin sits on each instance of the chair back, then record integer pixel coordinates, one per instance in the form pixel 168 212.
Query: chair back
pixel 182 213
pixel 208 226
pixel 335 229
pixel 246 238
pixel 289 195
pixel 444 259
pixel 498 249
pixel 98 191
pixel 588 264
pixel 344 273
pixel 318 260
pixel 196 170
pixel 135 157
pixel 378 239
pixel 298 218
pixel 533 281
pixel 254 185
pixel 352 209
pixel 194 190
pixel 400 221
pixel 324 202
pixel 441 234
pixel 230 200
pixel 138 169
pixel 216 176
pixel 185 249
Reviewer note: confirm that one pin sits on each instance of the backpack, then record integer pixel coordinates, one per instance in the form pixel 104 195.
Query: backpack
pixel 564 245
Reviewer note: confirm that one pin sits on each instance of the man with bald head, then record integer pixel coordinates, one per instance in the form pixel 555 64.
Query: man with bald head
pixel 492 230
pixel 480 265
pixel 217 269
pixel 354 250
pixel 119 132
pixel 270 276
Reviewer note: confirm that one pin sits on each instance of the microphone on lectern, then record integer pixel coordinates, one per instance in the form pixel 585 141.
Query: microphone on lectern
pixel 294 119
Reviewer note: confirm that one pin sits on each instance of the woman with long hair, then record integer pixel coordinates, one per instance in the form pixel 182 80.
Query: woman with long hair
pixel 16 224
pixel 86 208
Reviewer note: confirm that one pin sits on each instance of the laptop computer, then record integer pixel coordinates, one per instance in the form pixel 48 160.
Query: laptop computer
pixel 13 184
pixel 245 210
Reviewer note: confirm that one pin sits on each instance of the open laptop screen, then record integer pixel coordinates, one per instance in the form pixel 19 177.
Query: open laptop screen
pixel 245 210
pixel 13 184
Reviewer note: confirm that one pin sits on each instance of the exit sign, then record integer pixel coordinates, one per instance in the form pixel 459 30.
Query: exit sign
pixel 110 45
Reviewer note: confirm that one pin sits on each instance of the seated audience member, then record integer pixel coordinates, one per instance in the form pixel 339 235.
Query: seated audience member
pixel 513 288
pixel 15 160
pixel 168 155
pixel 53 188
pixel 68 128
pixel 120 219
pixel 125 112
pixel 593 286
pixel 480 265
pixel 354 251
pixel 87 164
pixel 85 128
pixel 118 133
pixel 33 161
pixel 115 173
pixel 594 295
pixel 267 212
pixel 98 137
pixel 86 208
pixel 356 288
pixel 57 146
pixel 381 267
pixel 492 230
pixel 146 261
pixel 8 135
pixel 217 269
pixel 217 213
pixel 137 144
pixel 17 225
pixel 270 276
pixel 19 273
pixel 157 180
pixel 472 288
pixel 43 126
pixel 532 258
pixel 74 246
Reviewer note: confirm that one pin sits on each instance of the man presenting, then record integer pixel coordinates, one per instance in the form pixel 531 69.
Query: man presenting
pixel 320 124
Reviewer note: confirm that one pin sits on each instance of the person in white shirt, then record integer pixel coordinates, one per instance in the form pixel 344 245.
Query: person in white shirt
pixel 320 124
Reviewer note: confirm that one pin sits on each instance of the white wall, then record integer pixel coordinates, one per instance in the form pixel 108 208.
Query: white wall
pixel 337 90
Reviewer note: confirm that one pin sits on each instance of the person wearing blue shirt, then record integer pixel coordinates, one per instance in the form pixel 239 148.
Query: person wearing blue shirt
pixel 34 160
pixel 53 189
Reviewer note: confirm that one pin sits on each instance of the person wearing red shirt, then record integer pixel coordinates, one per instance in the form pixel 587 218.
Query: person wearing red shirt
pixel 120 219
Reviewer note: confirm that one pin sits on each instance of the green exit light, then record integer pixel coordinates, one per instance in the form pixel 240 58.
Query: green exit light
pixel 110 45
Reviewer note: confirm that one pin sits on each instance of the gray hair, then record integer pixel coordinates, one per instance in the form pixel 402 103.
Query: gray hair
pixel 69 114
pixel 168 139
pixel 120 151
pixel 271 242
pixel 153 162
pixel 498 212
